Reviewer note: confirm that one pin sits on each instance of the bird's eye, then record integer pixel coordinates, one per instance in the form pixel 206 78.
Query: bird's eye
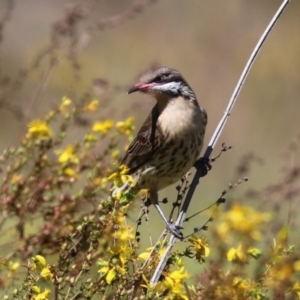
pixel 159 79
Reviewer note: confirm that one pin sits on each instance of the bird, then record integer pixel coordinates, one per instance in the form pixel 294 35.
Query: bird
pixel 171 138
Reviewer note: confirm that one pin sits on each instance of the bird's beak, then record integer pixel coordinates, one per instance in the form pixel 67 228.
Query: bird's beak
pixel 134 89
pixel 141 87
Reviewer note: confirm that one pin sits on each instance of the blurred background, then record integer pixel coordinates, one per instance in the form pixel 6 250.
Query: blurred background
pixel 51 49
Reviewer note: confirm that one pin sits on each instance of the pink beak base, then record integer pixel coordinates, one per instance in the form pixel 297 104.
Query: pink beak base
pixel 141 87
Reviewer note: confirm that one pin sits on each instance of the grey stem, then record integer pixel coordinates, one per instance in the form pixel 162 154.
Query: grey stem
pixel 215 138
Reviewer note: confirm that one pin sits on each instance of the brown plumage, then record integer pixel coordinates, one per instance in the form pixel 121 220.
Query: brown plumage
pixel 170 140
pixel 145 145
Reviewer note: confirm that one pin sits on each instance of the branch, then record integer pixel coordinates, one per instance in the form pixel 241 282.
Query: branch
pixel 214 139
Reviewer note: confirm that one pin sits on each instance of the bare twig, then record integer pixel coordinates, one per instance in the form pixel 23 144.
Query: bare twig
pixel 5 16
pixel 215 138
pixel 65 29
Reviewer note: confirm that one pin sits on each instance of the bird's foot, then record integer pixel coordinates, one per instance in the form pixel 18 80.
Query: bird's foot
pixel 203 164
pixel 175 230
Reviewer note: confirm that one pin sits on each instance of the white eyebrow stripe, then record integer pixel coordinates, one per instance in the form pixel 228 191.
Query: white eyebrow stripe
pixel 172 87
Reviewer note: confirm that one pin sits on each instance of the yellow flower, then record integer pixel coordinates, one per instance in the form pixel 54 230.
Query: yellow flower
pixel 102 127
pixel 111 275
pixel 100 181
pixel 200 246
pixel 296 290
pixel 125 127
pixel 71 173
pixel 179 261
pixel 110 272
pixel 120 177
pixel 65 103
pixel 281 272
pixel 174 282
pixel 36 289
pixel 125 234
pixel 297 265
pixel 90 138
pixel 40 261
pixel 103 264
pixel 115 154
pixel 254 252
pixel 68 155
pixel 179 275
pixel 243 220
pixel 145 255
pixel 39 129
pixel 42 296
pixel 92 106
pixel 123 170
pixel 237 255
pixel 16 178
pixel 117 193
pixel 13 266
pixel 46 273
pixel 120 252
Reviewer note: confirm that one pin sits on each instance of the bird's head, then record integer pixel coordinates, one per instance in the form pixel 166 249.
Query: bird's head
pixel 161 82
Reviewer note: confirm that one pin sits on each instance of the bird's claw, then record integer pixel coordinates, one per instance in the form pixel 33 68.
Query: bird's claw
pixel 175 230
pixel 203 164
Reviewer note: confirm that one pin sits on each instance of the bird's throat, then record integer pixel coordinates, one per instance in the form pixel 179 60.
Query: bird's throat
pixel 178 116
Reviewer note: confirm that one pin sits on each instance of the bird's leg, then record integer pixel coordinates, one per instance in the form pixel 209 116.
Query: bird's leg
pixel 203 163
pixel 147 201
pixel 174 229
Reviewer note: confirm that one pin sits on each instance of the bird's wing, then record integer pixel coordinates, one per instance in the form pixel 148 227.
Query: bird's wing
pixel 146 143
